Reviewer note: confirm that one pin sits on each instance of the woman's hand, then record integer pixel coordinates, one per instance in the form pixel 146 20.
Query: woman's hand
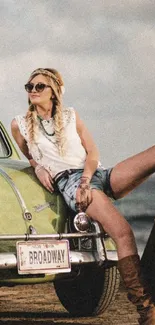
pixel 83 194
pixel 44 177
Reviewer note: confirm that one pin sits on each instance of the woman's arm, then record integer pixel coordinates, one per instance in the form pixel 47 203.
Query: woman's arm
pixel 89 145
pixel 83 194
pixel 43 175
pixel 21 142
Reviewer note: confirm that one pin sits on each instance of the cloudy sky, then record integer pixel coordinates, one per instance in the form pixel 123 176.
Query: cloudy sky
pixel 105 51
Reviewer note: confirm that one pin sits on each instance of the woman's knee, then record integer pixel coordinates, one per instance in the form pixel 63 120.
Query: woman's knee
pixel 103 210
pixel 98 204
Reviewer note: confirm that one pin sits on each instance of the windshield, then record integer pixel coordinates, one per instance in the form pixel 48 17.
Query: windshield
pixel 5 149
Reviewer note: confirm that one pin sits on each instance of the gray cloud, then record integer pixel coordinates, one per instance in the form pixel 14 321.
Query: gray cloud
pixel 105 51
pixel 123 10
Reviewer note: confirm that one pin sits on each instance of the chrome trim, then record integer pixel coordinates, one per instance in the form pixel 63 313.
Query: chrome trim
pixel 32 230
pixel 9 260
pixel 82 222
pixel 112 255
pixel 6 143
pixel 100 245
pixel 26 214
pixel 41 207
pixel 48 236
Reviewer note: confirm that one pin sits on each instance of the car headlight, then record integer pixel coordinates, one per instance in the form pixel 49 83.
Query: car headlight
pixel 82 222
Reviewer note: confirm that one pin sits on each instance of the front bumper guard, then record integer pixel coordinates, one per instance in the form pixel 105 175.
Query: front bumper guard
pixel 78 256
pixel 9 260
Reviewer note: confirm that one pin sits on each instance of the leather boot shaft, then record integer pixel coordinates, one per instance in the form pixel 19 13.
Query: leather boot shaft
pixel 137 290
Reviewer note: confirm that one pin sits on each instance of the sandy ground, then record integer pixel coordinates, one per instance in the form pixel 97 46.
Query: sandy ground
pixel 39 305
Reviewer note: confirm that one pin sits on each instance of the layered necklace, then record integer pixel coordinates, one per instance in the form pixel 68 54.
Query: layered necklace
pixel 41 120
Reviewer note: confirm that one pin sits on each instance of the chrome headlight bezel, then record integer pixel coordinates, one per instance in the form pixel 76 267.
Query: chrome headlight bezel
pixel 82 222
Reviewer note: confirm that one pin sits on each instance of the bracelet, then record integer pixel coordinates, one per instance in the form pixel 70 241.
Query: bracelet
pixel 84 186
pixel 84 180
pixel 85 177
pixel 38 168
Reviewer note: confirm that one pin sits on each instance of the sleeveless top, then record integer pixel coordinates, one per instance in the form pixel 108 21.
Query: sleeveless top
pixel 44 150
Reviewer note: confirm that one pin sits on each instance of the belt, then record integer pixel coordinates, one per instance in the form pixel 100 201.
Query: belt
pixel 65 174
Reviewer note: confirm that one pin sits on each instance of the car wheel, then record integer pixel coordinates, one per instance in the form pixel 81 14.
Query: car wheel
pixel 91 292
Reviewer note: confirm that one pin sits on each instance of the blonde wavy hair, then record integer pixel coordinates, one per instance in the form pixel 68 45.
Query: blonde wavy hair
pixel 56 82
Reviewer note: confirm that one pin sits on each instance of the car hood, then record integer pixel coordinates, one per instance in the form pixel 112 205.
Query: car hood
pixel 23 196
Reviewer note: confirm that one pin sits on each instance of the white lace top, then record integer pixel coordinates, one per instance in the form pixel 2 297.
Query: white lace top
pixel 45 152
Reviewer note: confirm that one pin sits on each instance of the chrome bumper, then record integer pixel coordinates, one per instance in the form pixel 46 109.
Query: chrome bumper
pixel 9 260
pixel 50 236
pixel 101 254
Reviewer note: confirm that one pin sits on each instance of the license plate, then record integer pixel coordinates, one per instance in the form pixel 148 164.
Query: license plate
pixel 37 257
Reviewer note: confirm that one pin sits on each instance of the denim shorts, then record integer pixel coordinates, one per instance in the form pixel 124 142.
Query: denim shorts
pixel 69 181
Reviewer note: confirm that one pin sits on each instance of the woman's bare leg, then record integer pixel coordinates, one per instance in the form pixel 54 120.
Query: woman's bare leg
pixel 102 210
pixel 131 172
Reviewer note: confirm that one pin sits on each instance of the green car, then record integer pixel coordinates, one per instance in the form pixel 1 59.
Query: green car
pixel 41 240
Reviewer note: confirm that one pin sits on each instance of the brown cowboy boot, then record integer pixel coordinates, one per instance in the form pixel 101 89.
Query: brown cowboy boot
pixel 130 272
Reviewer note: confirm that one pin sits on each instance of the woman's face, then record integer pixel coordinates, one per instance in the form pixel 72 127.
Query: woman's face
pixel 40 98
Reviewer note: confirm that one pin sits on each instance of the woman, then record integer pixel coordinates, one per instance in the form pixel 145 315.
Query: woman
pixel 61 150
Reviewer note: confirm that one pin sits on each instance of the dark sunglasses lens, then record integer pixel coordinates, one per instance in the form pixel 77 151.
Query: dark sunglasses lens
pixel 40 87
pixel 29 87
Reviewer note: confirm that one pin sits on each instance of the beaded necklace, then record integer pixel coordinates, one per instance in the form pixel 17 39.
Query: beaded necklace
pixel 43 128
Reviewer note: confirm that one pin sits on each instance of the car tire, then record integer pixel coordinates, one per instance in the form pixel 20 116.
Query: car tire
pixel 89 293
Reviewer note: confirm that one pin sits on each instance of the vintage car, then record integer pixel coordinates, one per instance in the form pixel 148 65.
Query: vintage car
pixel 41 240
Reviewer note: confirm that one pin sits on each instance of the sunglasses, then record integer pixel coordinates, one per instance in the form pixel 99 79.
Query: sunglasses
pixel 39 87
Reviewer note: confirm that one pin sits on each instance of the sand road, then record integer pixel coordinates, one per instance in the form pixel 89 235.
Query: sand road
pixel 39 305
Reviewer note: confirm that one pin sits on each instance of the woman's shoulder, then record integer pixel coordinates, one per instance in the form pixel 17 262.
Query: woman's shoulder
pixel 69 114
pixel 20 122
pixel 68 110
pixel 19 117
